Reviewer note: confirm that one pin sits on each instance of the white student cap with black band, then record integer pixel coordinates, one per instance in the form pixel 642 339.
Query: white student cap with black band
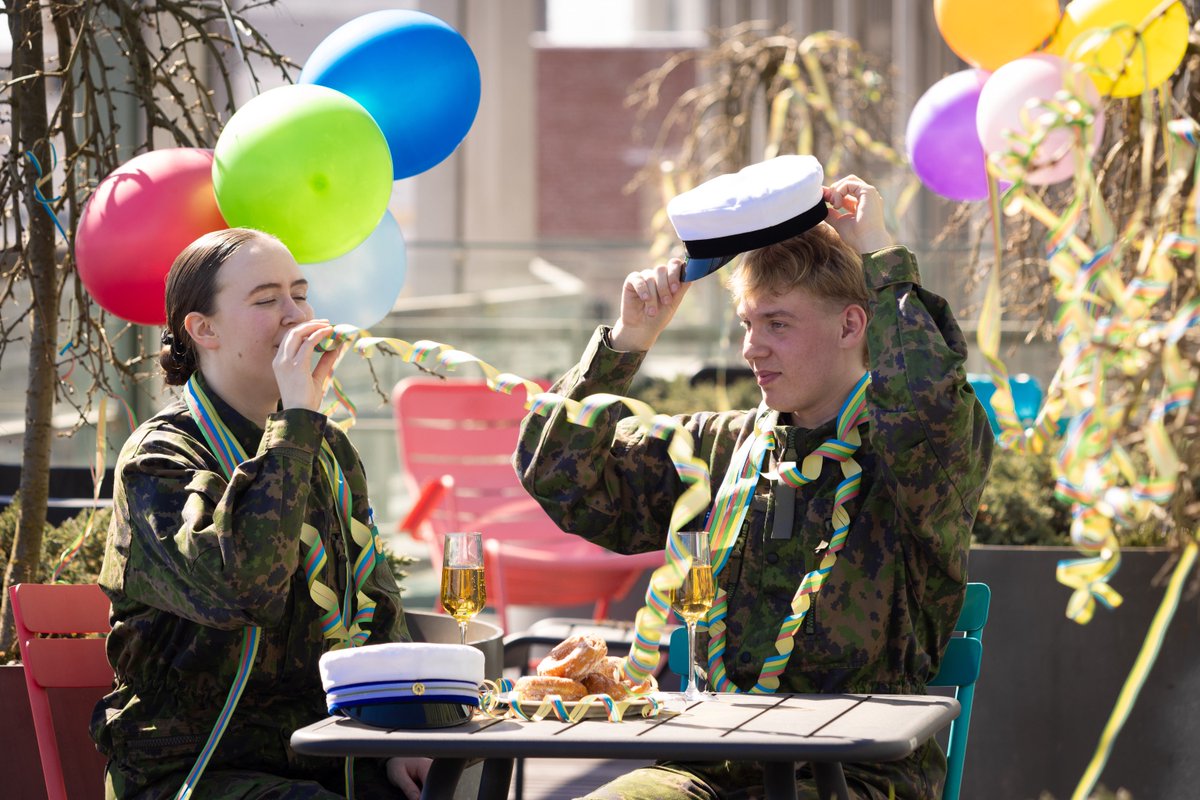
pixel 763 204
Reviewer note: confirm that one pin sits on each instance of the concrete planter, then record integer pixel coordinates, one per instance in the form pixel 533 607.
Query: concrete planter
pixel 18 753
pixel 1048 685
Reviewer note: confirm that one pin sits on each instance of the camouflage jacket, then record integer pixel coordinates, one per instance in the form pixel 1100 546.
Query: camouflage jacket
pixel 889 606
pixel 191 560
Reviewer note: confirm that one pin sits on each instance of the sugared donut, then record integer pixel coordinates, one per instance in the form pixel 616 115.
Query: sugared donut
pixel 599 683
pixel 610 667
pixel 574 657
pixel 647 686
pixel 538 687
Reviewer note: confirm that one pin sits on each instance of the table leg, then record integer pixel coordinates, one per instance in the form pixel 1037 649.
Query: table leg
pixel 779 780
pixel 831 781
pixel 497 775
pixel 442 779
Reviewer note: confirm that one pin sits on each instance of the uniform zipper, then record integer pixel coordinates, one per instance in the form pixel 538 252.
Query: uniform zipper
pixel 178 740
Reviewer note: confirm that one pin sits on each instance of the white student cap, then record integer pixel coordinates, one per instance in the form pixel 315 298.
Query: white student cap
pixel 763 204
pixel 403 685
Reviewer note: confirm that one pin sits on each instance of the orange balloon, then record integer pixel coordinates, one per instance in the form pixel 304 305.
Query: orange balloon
pixel 989 33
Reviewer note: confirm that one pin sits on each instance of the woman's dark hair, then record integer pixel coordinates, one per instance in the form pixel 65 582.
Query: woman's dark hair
pixel 192 286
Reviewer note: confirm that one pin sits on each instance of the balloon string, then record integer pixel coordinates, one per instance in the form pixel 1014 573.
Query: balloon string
pixel 237 45
pixel 37 189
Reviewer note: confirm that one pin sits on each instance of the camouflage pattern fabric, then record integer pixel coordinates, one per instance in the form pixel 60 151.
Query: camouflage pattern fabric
pixel 233 784
pixel 190 560
pixel 882 621
pixel 728 780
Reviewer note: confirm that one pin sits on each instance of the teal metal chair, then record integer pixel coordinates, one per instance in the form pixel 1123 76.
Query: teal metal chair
pixel 960 669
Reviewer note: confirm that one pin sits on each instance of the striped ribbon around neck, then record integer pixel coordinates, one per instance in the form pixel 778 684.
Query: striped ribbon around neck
pixel 338 621
pixel 733 502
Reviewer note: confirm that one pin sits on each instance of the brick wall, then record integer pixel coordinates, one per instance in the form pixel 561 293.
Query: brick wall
pixel 586 150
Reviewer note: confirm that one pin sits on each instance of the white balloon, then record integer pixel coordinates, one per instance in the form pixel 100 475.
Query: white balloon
pixel 361 286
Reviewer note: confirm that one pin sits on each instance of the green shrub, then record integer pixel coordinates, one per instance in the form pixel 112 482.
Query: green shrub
pixel 1019 506
pixel 677 396
pixel 84 567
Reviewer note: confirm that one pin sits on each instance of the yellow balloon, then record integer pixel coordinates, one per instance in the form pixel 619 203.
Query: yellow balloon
pixel 989 33
pixel 1102 35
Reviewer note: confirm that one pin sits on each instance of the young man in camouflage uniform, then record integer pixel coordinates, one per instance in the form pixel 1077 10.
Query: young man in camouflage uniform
pixel 808 305
pixel 194 557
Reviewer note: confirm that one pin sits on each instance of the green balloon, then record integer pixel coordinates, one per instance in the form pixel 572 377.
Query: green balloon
pixel 307 164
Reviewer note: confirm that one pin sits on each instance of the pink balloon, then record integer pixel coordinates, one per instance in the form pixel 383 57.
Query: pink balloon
pixel 1015 96
pixel 138 220
pixel 943 147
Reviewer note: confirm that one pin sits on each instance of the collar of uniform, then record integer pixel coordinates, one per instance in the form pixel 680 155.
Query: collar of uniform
pixel 248 434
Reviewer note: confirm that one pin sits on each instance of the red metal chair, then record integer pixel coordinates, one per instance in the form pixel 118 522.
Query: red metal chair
pixel 456 439
pixel 78 664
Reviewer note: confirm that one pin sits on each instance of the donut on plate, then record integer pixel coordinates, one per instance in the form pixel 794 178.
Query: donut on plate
pixel 574 658
pixel 539 687
pixel 610 667
pixel 600 683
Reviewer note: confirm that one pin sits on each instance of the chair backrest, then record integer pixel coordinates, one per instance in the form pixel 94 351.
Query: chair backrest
pixel 959 668
pixel 456 439
pixel 462 428
pixel 43 610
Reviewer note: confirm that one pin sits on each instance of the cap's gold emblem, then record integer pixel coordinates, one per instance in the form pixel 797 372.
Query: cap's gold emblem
pixel 418 689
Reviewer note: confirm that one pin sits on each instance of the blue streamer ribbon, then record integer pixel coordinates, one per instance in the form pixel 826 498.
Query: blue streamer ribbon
pixel 37 191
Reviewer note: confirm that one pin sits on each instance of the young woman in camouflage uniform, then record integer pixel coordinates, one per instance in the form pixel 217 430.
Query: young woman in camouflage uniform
pixel 880 624
pixel 194 558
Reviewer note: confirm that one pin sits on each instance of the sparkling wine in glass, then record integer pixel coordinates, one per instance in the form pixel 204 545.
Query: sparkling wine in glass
pixel 694 598
pixel 464 593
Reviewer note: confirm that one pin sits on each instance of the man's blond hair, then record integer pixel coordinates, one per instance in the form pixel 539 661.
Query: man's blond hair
pixel 817 261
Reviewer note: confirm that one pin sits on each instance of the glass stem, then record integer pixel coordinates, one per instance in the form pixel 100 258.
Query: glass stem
pixel 462 632
pixel 691 690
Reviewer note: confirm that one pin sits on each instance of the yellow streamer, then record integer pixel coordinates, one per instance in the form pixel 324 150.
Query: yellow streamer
pixel 1106 328
pixel 1141 670
pixel 496 702
pixel 650 620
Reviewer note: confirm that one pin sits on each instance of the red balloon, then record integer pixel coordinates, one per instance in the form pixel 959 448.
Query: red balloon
pixel 138 220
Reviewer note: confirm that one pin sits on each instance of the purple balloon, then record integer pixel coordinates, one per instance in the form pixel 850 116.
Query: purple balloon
pixel 943 145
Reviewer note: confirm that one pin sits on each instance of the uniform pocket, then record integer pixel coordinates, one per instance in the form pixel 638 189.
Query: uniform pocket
pixel 145 754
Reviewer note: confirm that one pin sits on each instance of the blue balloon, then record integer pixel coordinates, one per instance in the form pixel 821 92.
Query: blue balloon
pixel 1027 397
pixel 1026 392
pixel 416 76
pixel 361 286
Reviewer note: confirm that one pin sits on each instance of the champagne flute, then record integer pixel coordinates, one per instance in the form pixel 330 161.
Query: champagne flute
pixel 463 592
pixel 694 598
